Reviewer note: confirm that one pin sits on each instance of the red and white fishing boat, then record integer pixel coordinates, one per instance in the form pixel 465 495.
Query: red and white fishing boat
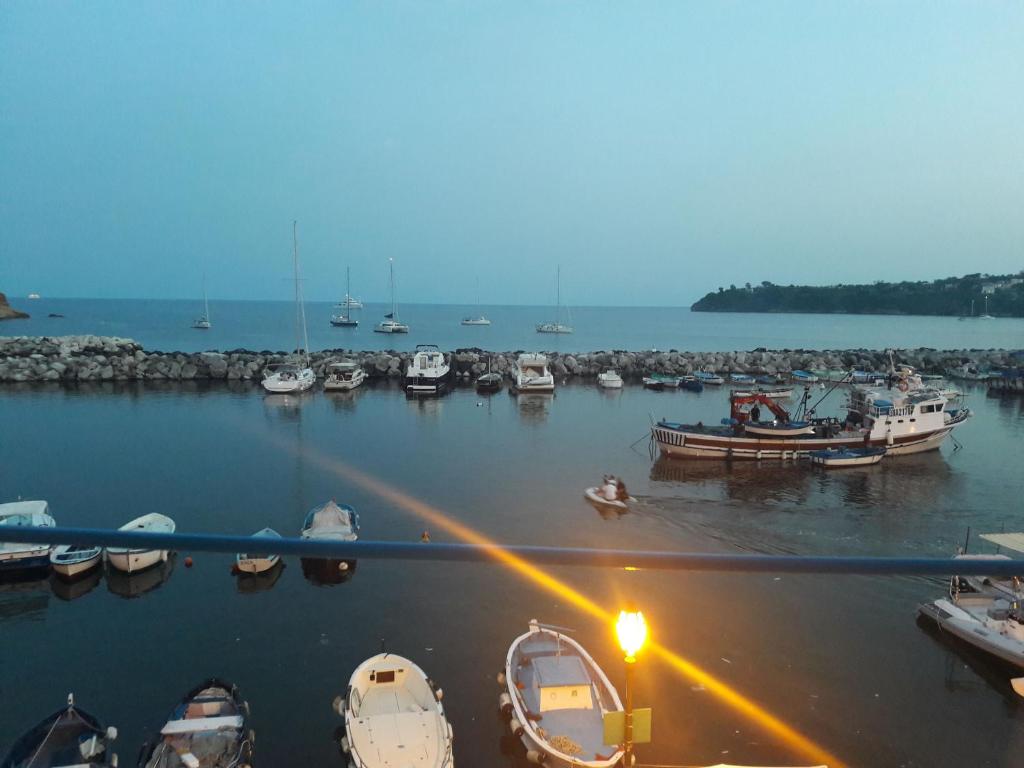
pixel 901 421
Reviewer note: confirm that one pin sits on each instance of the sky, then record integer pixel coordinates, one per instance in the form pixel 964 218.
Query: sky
pixel 654 150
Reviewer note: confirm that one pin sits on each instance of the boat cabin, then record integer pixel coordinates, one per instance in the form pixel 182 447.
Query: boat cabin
pixel 561 682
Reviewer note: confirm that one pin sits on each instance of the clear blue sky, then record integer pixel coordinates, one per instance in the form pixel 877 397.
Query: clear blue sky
pixel 655 150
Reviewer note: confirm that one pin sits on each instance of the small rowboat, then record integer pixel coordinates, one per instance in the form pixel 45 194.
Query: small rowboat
pixel 847 457
pixel 249 563
pixel 776 393
pixel 594 496
pixel 70 560
pixel 778 429
pixel 132 560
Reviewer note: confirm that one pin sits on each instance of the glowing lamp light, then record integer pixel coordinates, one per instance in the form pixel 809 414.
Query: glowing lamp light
pixel 632 631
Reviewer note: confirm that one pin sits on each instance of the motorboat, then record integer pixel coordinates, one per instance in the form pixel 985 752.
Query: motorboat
pixel 132 560
pixel 533 375
pixel 330 522
pixel 479 318
pixel 658 383
pixel 968 372
pixel 258 563
pixel 71 560
pixel 741 378
pixel 293 376
pixel 770 380
pixel 343 375
pixel 428 372
pixel 394 717
pixel 847 457
pixel 708 377
pixel 992 624
pixel 778 393
pixel 34 296
pixel 556 697
pixel 349 302
pixel 691 383
pixel 609 380
pixel 69 737
pixel 804 377
pixel 345 319
pixel 202 322
pixel 391 323
pixel 207 729
pixel 556 325
pixel 489 382
pixel 16 556
pixel 594 496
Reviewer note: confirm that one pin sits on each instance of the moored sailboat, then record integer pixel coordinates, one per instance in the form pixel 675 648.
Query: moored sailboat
pixel 297 376
pixel 391 323
pixel 556 326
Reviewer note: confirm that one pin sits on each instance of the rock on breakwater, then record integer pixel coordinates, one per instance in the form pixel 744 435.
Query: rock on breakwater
pixel 7 312
pixel 105 358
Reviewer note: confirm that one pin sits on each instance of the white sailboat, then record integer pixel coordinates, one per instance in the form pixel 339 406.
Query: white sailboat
pixel 293 376
pixel 986 316
pixel 202 322
pixel 557 326
pixel 390 323
pixel 479 319
pixel 345 319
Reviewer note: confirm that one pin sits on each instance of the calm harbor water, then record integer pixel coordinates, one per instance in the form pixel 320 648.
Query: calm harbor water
pixel 840 658
pixel 165 326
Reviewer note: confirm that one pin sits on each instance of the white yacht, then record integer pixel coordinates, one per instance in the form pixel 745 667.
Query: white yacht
pixel 556 326
pixel 15 556
pixel 343 376
pixel 428 372
pixel 394 717
pixel 296 376
pixel 533 375
pixel 132 560
pixel 391 323
pixel 345 319
pixel 479 318
pixel 202 322
pixel 609 380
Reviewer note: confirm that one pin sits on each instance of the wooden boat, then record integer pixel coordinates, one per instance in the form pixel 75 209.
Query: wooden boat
pixel 777 393
pixel 71 560
pixel 654 383
pixel 556 696
pixel 609 380
pixel 847 457
pixel 594 496
pixel 208 729
pixel 343 376
pixel 15 556
pixel 258 563
pixel 69 737
pixel 778 428
pixel 132 560
pixel 741 378
pixel 394 716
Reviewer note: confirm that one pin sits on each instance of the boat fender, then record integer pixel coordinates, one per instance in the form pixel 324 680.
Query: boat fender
pixel 501 679
pixel 344 744
pixel 516 727
pixel 888 437
pixel 338 705
pixel 245 708
pixel 111 733
pixel 759 455
pixel 343 566
pixel 505 704
pixel 113 761
pixel 536 756
pixel 439 694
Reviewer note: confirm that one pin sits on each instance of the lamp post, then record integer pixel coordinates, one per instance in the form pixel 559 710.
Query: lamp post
pixel 632 632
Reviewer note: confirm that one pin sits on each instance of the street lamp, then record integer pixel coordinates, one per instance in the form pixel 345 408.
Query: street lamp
pixel 632 631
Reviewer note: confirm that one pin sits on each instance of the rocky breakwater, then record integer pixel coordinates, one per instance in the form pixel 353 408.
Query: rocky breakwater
pixel 7 312
pixel 103 358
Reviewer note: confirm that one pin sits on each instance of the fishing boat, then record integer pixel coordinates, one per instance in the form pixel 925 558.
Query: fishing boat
pixel 71 560
pixel 477 319
pixel 330 522
pixel 295 376
pixel 132 560
pixel 202 322
pixel 776 393
pixel 741 378
pixel 533 375
pixel 902 422
pixel 391 323
pixel 345 319
pixel 803 377
pixel 691 383
pixel 706 377
pixel 968 372
pixel 207 729
pixel 770 380
pixel 991 624
pixel 258 563
pixel 16 556
pixel 70 737
pixel 556 326
pixel 428 371
pixel 659 382
pixel 556 696
pixel 609 380
pixel 847 457
pixel 394 717
pixel 343 375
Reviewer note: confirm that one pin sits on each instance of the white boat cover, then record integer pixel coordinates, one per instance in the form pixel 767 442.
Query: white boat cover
pixel 1014 541
pixel 195 724
pixel 330 521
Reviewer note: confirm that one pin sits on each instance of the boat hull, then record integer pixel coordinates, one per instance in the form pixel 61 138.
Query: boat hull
pixel 70 568
pixel 841 462
pixel 257 564
pixel 135 560
pixel 947 617
pixel 341 386
pixel 279 386
pixel 36 558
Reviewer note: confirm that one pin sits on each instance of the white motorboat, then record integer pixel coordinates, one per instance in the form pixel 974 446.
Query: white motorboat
pixel 394 717
pixel 16 556
pixel 202 322
pixel 991 624
pixel 295 376
pixel 390 323
pixel 778 393
pixel 344 375
pixel 609 380
pixel 556 326
pixel 533 375
pixel 70 560
pixel 331 521
pixel 69 737
pixel 258 563
pixel 207 729
pixel 349 303
pixel 428 372
pixel 132 560
pixel 741 378
pixel 479 318
pixel 804 377
pixel 778 428
pixel 557 697
pixel 847 457
pixel 705 376
pixel 345 319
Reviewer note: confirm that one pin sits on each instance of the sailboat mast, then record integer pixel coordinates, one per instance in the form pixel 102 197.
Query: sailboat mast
pixel 206 301
pixel 300 310
pixel 391 265
pixel 558 295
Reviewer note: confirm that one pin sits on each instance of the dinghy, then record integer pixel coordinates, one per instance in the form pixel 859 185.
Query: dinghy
pixel 993 625
pixel 249 563
pixel 394 717
pixel 15 556
pixel 133 560
pixel 778 428
pixel 71 560
pixel 594 496
pixel 208 729
pixel 327 522
pixel 557 697
pixel 847 457
pixel 69 737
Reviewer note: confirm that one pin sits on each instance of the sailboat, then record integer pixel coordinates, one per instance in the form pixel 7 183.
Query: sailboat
pixel 345 319
pixel 479 319
pixel 202 322
pixel 556 326
pixel 390 323
pixel 294 376
pixel 986 316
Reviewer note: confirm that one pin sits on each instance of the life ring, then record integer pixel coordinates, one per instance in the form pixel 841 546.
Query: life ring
pixel 903 386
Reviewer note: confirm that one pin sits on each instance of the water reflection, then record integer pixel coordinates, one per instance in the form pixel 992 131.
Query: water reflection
pixel 251 583
pixel 344 401
pixel 134 585
pixel 747 481
pixel 24 599
pixel 995 674
pixel 286 408
pixel 72 589
pixel 533 407
pixel 324 572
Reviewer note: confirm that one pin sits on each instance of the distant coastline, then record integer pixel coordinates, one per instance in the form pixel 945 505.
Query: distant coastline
pixel 973 295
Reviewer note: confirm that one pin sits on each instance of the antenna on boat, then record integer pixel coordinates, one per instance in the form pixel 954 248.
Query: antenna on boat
pixel 383 648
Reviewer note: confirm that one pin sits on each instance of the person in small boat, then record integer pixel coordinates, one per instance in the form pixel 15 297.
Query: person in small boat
pixel 610 490
pixel 620 490
pixel 755 413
